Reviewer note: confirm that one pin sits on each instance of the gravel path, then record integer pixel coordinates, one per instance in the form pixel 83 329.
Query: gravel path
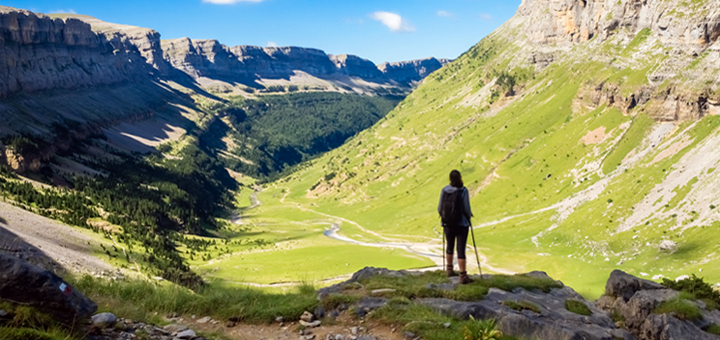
pixel 43 241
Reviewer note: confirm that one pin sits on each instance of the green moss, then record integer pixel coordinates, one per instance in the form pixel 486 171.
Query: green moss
pixel 577 307
pixel 520 305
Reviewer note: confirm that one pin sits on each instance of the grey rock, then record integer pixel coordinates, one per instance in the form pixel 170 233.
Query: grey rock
pixel 313 324
pixel 24 283
pixel 339 337
pixel 621 284
pixel 367 337
pixel 333 314
pixel 279 319
pixel 354 330
pixel 319 312
pixel 175 328
pixel 330 336
pixel 204 320
pixel 408 335
pixel 307 316
pixel 104 320
pixel 369 304
pixel 186 334
pixel 3 313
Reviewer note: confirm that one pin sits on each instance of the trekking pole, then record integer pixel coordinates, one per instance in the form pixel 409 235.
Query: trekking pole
pixel 476 252
pixel 442 236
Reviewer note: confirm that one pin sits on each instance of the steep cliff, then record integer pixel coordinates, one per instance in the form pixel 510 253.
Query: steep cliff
pixel 41 53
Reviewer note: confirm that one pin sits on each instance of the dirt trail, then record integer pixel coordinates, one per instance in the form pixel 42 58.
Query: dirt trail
pixel 430 250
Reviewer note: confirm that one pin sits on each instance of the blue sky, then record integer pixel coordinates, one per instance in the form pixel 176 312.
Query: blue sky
pixel 389 30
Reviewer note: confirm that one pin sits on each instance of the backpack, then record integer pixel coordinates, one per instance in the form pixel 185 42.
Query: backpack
pixel 451 208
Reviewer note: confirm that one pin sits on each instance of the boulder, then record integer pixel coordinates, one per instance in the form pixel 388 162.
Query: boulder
pixel 624 285
pixel 24 283
pixel 186 334
pixel 104 320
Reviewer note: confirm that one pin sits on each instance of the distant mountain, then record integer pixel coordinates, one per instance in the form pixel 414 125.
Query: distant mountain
pixel 209 60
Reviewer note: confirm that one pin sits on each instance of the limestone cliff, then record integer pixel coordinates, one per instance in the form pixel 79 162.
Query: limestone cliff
pixel 38 53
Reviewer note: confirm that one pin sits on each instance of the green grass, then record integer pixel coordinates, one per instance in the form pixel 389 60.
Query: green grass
pixel 577 307
pixel 139 300
pixel 713 329
pixel 680 308
pixel 428 324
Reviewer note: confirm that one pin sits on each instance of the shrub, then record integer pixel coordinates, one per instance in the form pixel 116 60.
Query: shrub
pixel 481 330
pixel 713 329
pixel 698 288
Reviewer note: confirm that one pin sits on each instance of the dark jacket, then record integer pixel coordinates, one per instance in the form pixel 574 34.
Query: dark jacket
pixel 467 213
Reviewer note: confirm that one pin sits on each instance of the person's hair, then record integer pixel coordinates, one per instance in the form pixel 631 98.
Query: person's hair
pixel 456 179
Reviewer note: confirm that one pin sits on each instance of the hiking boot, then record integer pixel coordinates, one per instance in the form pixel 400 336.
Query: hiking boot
pixel 449 270
pixel 464 278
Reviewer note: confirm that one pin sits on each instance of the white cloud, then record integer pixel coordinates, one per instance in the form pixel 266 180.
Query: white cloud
pixel 63 11
pixel 445 14
pixel 393 21
pixel 486 17
pixel 229 2
pixel 272 44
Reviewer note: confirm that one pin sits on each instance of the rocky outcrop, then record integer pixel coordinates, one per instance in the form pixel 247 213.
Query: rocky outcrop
pixel 636 300
pixel 550 320
pixel 23 283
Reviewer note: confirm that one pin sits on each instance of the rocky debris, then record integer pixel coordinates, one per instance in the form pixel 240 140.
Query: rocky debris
pixel 636 299
pixel 24 283
pixel 103 320
pixel 126 329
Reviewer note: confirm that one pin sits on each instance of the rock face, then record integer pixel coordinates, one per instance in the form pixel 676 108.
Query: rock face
pixel 41 53
pixel 568 21
pixel 24 283
pixel 636 300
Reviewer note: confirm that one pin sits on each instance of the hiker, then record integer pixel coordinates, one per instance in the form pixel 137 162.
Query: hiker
pixel 454 209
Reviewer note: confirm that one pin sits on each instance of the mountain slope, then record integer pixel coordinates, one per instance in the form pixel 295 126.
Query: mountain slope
pixel 585 131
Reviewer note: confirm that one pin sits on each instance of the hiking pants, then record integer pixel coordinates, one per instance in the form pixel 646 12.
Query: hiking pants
pixel 459 233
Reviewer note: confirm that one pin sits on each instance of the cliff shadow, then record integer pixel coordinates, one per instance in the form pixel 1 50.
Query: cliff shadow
pixel 12 244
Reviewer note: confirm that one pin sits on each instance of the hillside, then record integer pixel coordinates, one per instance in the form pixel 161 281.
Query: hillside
pixel 586 132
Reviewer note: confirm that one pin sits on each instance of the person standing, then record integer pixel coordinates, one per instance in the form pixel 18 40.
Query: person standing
pixel 454 209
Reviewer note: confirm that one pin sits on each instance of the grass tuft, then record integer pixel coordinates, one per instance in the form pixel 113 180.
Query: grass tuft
pixel 577 307
pixel 713 329
pixel 681 309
